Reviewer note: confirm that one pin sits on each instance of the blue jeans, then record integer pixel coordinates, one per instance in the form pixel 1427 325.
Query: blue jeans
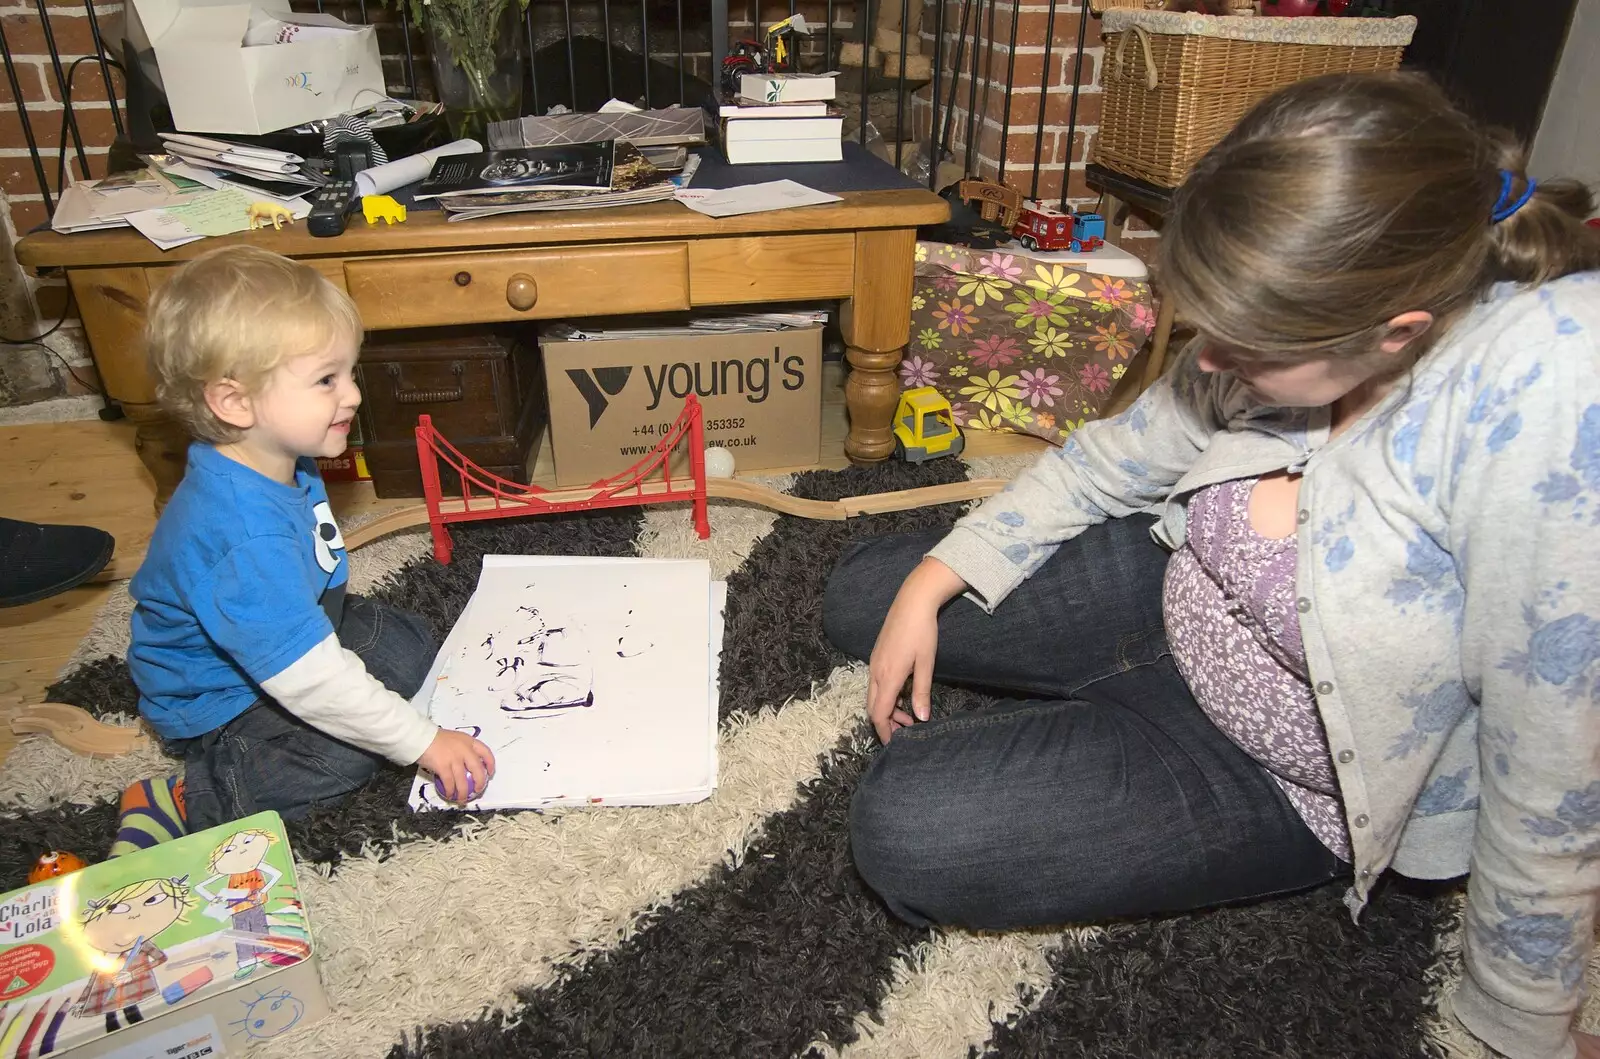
pixel 1103 791
pixel 267 758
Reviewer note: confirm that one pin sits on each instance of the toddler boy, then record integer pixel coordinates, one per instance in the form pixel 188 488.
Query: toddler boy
pixel 282 690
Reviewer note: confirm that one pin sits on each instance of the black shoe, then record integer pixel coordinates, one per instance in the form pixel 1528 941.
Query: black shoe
pixel 37 562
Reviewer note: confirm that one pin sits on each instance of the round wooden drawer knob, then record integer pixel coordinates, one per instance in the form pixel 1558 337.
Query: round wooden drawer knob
pixel 521 292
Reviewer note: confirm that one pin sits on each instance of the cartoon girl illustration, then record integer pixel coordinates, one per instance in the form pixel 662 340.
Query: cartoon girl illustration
pixel 240 864
pixel 121 926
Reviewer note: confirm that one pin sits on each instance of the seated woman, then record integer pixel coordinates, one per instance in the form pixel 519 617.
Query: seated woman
pixel 1324 602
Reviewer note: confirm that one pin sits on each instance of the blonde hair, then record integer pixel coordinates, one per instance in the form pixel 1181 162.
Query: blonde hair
pixel 237 313
pixel 176 888
pixel 225 843
pixel 1343 201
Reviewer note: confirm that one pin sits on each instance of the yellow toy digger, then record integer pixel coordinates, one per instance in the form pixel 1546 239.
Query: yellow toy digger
pixel 924 427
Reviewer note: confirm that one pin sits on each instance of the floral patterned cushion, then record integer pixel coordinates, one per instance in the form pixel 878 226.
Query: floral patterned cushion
pixel 1018 343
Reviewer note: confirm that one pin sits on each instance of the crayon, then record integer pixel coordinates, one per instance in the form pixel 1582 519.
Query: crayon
pixel 132 953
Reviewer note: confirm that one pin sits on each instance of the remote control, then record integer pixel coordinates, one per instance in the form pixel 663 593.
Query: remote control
pixel 330 206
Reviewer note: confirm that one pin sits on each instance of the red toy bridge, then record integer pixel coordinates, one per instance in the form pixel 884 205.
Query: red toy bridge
pixel 488 496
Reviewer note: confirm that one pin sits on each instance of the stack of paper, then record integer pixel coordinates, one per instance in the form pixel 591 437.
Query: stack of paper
pixel 90 205
pixel 159 210
pixel 254 168
pixel 593 681
pixel 220 212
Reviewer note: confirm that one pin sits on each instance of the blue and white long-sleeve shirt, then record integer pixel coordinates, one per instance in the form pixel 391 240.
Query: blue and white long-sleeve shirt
pixel 1449 595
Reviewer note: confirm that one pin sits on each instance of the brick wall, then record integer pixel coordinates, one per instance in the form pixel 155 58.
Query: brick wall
pixel 28 306
pixel 1034 82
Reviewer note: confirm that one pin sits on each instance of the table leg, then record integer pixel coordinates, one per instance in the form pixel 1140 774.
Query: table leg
pixel 876 323
pixel 1116 215
pixel 1159 340
pixel 111 303
pixel 163 446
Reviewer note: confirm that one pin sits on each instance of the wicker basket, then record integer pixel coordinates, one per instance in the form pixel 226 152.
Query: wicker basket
pixel 1176 83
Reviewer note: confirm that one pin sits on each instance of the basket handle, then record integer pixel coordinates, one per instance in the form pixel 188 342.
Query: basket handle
pixel 1150 79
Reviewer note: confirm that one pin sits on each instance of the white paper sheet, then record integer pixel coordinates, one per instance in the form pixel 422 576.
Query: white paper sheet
pixel 382 179
pixel 84 208
pixel 626 626
pixel 204 214
pixel 752 198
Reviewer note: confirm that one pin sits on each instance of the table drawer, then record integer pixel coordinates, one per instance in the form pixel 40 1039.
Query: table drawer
pixel 430 290
pixel 766 268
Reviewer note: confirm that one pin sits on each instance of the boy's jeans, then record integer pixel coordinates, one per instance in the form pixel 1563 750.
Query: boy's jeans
pixel 1103 791
pixel 267 758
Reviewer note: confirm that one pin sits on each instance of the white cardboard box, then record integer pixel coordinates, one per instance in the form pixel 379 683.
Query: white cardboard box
pixel 216 83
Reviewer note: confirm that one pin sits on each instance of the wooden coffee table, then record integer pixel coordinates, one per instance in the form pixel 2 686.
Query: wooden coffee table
pixel 427 272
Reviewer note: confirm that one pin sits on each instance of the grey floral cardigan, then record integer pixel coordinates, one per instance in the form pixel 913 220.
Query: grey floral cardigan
pixel 1449 584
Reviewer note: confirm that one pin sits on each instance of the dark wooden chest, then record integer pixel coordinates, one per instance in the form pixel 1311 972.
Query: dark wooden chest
pixel 482 387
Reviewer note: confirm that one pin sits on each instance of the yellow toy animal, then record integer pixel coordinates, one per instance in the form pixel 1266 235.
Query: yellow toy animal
pixel 382 207
pixel 263 213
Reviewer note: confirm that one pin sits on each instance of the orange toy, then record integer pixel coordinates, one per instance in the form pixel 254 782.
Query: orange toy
pixel 54 863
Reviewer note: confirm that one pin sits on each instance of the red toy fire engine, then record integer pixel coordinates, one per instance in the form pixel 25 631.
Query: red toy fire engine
pixel 1041 228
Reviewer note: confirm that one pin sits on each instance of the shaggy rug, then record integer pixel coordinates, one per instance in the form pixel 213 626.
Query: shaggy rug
pixel 737 926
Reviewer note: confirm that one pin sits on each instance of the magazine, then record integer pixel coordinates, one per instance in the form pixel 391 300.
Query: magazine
pixel 668 126
pixel 557 167
pixel 633 180
pixel 469 209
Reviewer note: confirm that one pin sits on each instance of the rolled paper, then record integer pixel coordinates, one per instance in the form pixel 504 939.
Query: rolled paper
pixel 382 179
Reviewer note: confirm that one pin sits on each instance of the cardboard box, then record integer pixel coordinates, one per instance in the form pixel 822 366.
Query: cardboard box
pixel 351 464
pixel 197 947
pixel 611 401
pixel 214 82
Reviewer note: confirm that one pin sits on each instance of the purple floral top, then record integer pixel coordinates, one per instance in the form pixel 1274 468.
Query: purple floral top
pixel 1231 620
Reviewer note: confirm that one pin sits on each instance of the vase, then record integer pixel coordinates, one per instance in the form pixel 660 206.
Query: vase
pixel 477 63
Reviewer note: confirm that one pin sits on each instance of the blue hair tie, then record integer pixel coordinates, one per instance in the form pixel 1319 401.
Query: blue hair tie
pixel 1503 207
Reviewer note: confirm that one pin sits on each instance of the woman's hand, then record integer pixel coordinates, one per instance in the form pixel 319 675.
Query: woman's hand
pixel 906 647
pixel 1588 1046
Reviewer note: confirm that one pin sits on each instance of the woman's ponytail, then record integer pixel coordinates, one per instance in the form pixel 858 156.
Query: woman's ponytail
pixel 1546 237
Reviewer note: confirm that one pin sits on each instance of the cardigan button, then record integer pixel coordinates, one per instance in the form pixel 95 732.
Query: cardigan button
pixel 1324 687
pixel 1302 604
pixel 1304 516
pixel 1361 820
pixel 1346 756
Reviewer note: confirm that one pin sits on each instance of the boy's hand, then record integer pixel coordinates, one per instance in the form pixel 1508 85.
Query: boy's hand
pixel 454 758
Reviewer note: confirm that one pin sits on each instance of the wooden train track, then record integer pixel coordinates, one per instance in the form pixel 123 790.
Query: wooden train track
pixel 75 729
pixel 719 488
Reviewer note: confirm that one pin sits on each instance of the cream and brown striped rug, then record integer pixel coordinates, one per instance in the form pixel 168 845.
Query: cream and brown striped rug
pixel 737 926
